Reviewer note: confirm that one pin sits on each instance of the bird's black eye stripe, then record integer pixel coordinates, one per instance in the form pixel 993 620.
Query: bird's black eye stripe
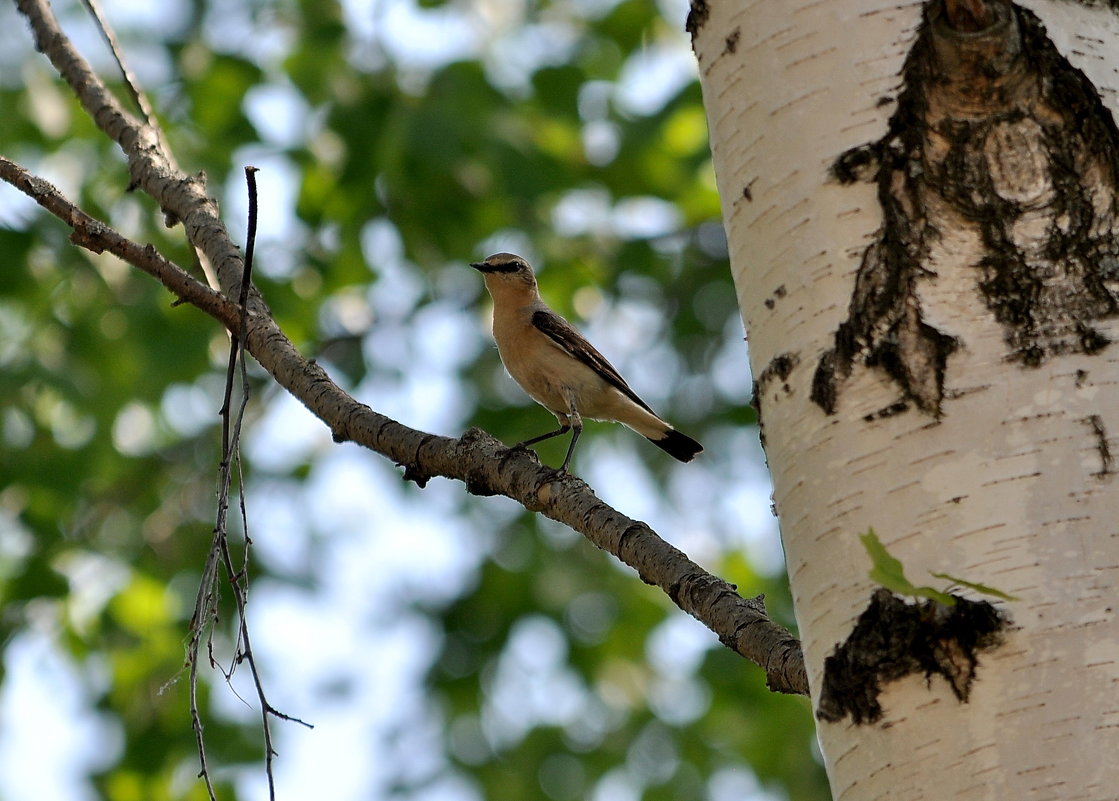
pixel 507 267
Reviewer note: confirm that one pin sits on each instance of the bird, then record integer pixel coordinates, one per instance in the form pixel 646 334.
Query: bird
pixel 560 369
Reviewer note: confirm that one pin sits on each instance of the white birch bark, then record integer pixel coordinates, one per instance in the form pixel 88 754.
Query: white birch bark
pixel 1011 485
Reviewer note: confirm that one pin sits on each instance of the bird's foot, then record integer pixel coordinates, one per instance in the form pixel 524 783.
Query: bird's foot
pixel 520 447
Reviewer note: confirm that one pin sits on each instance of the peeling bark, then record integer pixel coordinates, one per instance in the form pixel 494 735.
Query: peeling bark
pixel 996 133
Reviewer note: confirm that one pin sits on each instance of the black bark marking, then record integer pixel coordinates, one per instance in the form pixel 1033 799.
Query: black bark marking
pixel 777 295
pixel 697 18
pixel 888 411
pixel 1107 461
pixel 998 132
pixel 731 44
pixel 780 367
pixel 893 639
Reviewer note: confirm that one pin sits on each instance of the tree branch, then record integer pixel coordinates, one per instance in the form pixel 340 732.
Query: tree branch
pixel 96 236
pixel 483 463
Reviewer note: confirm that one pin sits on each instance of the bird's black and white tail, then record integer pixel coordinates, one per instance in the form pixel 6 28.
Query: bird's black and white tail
pixel 677 445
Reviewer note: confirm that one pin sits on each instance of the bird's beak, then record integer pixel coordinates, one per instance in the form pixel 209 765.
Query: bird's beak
pixel 480 266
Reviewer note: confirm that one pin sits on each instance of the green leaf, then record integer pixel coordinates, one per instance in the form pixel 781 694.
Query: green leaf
pixel 972 585
pixel 888 572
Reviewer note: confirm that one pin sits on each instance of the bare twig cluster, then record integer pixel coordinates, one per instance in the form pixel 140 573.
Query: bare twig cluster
pixel 477 459
pixel 206 604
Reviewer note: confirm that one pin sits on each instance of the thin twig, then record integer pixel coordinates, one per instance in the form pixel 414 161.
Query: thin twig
pixel 130 81
pixel 196 725
pixel 230 456
pixel 250 247
pixel 240 578
pixel 138 96
pixel 201 626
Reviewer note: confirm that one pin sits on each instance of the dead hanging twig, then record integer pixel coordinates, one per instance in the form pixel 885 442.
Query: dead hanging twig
pixel 206 604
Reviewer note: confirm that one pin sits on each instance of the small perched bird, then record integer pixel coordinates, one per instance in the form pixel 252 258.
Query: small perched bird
pixel 559 369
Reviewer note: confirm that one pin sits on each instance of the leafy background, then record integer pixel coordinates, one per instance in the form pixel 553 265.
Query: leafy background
pixel 444 646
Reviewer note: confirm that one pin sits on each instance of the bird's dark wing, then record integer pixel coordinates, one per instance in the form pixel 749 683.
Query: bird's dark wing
pixel 574 344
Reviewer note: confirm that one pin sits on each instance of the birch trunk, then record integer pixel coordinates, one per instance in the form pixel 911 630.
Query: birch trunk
pixel 923 232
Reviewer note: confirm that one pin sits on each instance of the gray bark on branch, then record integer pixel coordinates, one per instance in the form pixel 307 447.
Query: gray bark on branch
pixel 483 463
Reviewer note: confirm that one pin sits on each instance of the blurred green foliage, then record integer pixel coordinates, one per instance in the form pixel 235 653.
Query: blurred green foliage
pixel 108 395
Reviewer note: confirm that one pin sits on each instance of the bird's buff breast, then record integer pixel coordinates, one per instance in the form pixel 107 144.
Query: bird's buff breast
pixel 562 377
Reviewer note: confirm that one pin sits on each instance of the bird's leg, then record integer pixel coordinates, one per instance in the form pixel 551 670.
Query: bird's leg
pixel 561 430
pixel 576 424
pixel 577 429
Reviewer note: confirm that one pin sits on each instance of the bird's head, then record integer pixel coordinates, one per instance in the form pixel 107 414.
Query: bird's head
pixel 507 275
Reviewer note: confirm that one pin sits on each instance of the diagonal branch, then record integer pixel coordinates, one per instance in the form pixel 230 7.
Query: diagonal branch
pixel 485 465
